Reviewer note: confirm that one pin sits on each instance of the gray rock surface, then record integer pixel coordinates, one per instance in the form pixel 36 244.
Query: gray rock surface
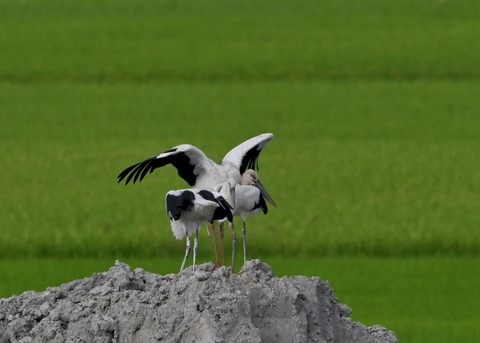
pixel 210 305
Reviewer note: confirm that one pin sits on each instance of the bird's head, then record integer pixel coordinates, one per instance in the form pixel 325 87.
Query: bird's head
pixel 250 178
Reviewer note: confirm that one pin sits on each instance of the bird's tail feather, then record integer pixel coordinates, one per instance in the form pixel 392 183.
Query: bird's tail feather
pixel 181 229
pixel 178 228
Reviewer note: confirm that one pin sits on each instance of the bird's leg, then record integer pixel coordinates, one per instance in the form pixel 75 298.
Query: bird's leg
pixel 212 229
pixel 222 243
pixel 195 250
pixel 187 252
pixel 234 245
pixel 244 238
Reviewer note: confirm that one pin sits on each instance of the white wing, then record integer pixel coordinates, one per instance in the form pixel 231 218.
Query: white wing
pixel 189 160
pixel 245 155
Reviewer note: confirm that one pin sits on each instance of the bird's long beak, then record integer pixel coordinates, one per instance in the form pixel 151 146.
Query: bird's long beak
pixel 265 193
pixel 232 194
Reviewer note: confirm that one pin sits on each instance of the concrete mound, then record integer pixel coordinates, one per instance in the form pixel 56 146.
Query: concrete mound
pixel 210 305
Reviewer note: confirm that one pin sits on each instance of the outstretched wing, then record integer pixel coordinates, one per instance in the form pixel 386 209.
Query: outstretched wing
pixel 245 155
pixel 188 159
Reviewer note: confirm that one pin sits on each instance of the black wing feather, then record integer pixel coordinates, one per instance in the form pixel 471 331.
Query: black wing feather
pixel 261 204
pixel 172 207
pixel 222 211
pixel 176 204
pixel 185 169
pixel 180 161
pixel 250 160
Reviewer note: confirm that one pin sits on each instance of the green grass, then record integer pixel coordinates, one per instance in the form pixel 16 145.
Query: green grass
pixel 249 40
pixel 378 168
pixel 421 299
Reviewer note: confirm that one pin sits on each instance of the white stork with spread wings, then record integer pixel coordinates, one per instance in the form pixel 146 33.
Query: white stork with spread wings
pixel 201 172
pixel 196 168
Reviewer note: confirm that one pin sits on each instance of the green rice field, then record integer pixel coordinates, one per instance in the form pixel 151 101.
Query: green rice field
pixel 373 175
pixel 375 107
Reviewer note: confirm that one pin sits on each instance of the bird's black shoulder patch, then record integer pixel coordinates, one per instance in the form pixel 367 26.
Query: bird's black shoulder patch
pixel 178 203
pixel 188 198
pixel 185 169
pixel 207 195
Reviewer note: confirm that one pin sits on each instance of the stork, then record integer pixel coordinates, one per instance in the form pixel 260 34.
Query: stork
pixel 188 209
pixel 250 198
pixel 196 168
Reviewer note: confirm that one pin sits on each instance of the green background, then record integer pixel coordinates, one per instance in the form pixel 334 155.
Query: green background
pixel 374 164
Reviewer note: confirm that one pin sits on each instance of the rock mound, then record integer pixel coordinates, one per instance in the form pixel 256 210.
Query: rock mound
pixel 210 305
